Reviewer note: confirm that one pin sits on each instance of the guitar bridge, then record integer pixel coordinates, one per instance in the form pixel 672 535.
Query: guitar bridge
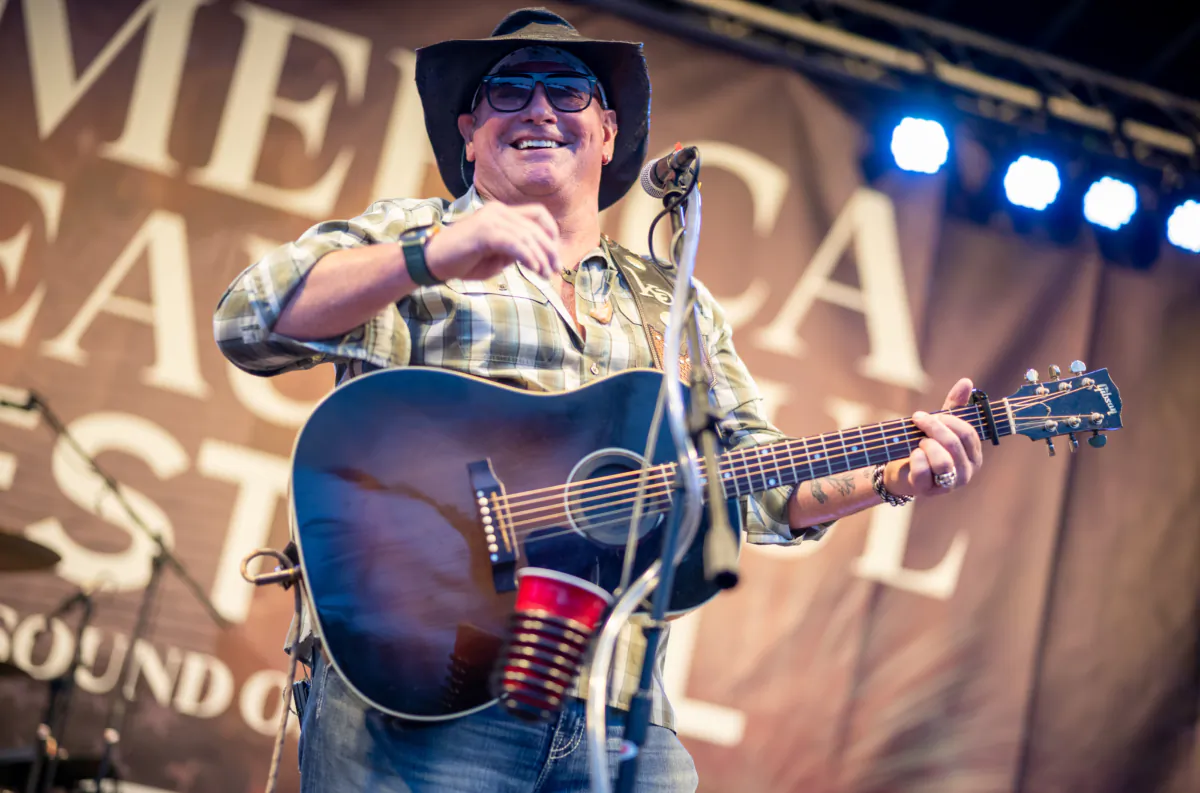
pixel 501 539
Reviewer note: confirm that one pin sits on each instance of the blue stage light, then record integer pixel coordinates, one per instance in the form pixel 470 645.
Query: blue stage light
pixel 920 145
pixel 1110 203
pixel 1183 227
pixel 1032 183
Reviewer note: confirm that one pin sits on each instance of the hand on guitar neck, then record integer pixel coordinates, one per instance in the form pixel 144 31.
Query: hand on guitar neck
pixel 952 445
pixel 951 449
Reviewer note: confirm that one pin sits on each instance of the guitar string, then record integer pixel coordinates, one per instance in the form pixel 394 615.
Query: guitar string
pixel 753 468
pixel 539 522
pixel 745 463
pixel 557 505
pixel 621 516
pixel 734 455
pixel 744 455
pixel 749 456
pixel 659 488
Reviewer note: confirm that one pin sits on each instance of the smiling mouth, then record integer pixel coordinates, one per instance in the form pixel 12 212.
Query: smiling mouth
pixel 525 145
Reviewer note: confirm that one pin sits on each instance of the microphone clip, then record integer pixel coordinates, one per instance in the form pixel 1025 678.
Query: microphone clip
pixel 680 174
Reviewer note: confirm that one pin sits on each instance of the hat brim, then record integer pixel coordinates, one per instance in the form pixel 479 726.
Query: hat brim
pixel 448 73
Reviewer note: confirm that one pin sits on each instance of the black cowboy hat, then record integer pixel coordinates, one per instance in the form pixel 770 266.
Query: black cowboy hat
pixel 448 74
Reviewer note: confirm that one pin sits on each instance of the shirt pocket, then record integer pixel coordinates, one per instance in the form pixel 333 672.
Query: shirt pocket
pixel 500 324
pixel 498 286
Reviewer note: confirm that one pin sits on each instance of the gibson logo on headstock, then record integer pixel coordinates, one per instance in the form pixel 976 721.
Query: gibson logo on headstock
pixel 1103 389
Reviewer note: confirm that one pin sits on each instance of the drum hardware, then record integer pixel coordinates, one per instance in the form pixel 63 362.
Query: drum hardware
pixel 19 554
pixel 44 767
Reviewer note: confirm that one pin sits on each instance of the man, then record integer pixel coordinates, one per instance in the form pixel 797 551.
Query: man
pixel 535 129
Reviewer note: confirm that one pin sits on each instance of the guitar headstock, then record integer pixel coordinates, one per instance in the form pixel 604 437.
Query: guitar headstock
pixel 1083 402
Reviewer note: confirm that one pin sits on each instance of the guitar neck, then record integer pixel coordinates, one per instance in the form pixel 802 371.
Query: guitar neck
pixel 789 462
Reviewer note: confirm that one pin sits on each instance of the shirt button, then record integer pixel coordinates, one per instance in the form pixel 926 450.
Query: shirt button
pixel 595 369
pixel 503 287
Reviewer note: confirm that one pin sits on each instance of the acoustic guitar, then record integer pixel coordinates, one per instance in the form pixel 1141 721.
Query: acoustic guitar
pixel 418 492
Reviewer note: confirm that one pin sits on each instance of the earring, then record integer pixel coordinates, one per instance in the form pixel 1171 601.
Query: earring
pixel 605 159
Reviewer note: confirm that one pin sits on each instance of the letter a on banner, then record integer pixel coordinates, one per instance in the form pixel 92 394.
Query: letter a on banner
pixel 869 221
pixel 163 238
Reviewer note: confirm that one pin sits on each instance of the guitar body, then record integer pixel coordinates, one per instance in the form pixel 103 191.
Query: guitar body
pixel 394 554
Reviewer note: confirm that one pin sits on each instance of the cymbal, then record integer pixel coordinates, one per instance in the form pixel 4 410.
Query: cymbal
pixel 9 669
pixel 19 554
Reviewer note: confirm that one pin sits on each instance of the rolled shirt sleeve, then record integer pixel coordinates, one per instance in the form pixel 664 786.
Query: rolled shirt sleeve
pixel 246 315
pixel 743 425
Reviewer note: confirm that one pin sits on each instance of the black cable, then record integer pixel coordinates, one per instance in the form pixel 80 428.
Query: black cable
pixel 668 208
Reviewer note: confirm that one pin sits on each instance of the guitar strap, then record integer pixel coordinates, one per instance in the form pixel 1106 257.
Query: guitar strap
pixel 652 287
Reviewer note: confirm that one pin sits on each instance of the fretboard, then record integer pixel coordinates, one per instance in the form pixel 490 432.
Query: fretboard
pixel 796 460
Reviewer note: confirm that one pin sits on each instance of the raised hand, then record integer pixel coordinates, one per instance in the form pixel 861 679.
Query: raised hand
pixel 485 242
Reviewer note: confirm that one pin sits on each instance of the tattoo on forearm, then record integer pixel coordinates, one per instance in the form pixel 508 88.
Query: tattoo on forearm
pixel 843 483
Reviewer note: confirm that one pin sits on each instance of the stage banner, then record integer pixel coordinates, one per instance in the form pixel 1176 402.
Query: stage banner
pixel 1035 632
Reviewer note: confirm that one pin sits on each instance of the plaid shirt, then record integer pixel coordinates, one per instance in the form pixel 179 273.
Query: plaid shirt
pixel 512 328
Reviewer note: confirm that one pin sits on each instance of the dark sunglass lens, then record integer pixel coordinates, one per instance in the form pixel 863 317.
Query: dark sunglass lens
pixel 569 93
pixel 509 93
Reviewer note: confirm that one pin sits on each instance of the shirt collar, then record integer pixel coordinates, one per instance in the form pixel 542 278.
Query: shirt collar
pixel 462 206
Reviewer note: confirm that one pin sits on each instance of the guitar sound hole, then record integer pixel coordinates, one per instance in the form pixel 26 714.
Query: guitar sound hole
pixel 600 497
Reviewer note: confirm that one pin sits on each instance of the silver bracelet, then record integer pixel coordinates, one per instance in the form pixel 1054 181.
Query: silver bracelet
pixel 883 492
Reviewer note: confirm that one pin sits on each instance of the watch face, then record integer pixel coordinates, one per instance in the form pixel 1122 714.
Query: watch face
pixel 417 234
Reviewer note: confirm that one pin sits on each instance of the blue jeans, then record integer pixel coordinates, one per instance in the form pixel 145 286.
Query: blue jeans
pixel 345 745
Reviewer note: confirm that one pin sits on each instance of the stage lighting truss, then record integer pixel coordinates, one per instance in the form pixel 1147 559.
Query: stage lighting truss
pixel 868 42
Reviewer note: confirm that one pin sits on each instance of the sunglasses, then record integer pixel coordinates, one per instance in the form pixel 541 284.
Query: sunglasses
pixel 568 92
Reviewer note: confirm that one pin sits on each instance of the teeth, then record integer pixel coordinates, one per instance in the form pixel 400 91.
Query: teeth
pixel 538 144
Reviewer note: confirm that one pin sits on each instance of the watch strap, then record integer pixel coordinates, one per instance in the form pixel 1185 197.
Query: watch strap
pixel 412 245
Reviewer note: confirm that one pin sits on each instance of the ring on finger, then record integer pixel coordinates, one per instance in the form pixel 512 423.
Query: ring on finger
pixel 945 480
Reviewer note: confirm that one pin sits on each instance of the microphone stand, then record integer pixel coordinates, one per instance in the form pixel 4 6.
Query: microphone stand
pixel 47 746
pixel 689 424
pixel 162 558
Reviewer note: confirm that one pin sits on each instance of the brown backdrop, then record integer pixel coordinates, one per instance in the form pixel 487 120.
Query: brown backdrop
pixel 1037 632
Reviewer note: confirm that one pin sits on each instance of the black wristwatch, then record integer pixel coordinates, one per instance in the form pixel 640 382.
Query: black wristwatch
pixel 412 245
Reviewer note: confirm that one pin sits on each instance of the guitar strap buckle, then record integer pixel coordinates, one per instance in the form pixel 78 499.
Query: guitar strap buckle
pixel 648 281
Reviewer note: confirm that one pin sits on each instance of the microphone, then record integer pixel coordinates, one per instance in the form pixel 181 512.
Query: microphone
pixel 662 174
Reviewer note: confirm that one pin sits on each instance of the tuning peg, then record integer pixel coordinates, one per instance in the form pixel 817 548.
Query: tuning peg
pixel 1031 376
pixel 1054 372
pixel 1050 445
pixel 1074 447
pixel 1097 440
pixel 1078 367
